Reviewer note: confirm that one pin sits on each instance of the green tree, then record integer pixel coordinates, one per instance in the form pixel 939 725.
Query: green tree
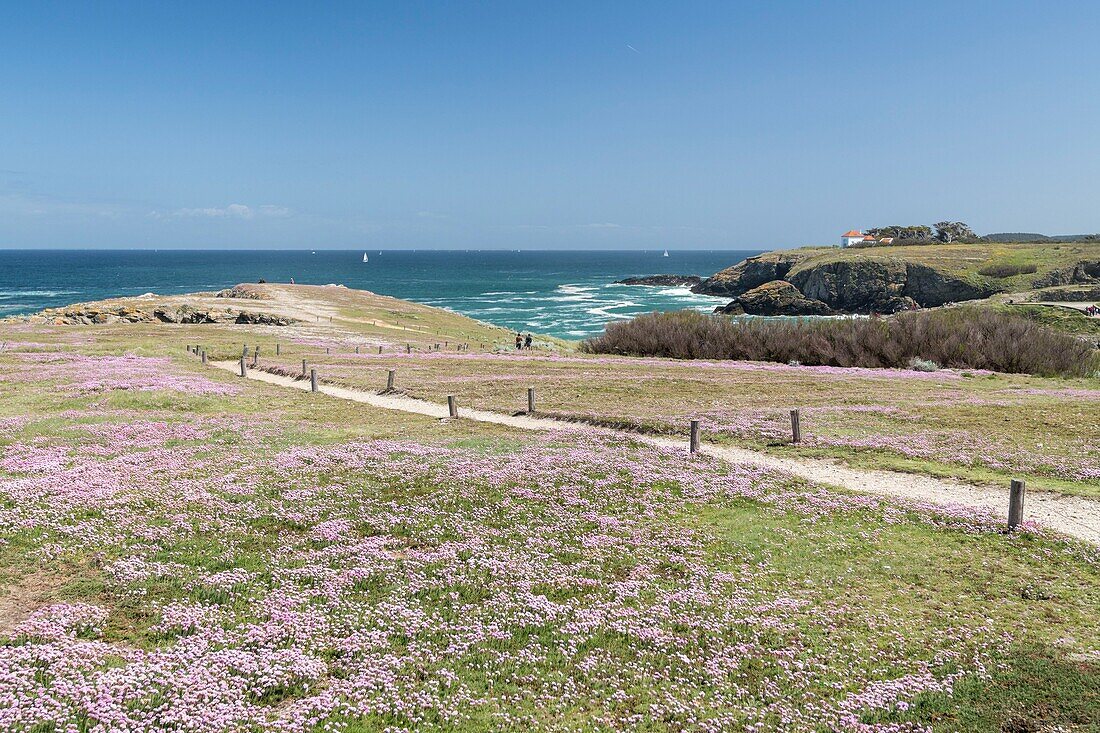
pixel 951 231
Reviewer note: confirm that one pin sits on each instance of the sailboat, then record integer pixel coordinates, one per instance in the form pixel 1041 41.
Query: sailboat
pixel 665 254
pixel 364 257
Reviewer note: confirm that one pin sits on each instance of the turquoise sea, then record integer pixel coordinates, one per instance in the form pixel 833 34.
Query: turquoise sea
pixel 564 293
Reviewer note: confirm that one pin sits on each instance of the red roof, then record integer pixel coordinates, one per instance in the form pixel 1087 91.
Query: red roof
pixel 852 233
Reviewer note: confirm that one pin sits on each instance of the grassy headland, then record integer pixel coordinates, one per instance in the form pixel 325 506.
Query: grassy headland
pixel 823 280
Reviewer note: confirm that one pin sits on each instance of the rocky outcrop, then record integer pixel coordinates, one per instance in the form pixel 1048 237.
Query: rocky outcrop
pixel 750 273
pixel 859 286
pixel 244 290
pixel 1082 273
pixel 776 298
pixel 87 315
pixel 842 285
pixel 928 287
pixel 664 280
pixel 1078 294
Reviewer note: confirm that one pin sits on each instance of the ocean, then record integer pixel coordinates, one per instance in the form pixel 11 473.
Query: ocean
pixel 562 293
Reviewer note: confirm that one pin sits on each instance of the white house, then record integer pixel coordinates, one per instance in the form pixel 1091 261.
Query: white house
pixel 849 238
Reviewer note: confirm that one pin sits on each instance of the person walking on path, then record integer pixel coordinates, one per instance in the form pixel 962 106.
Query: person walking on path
pixel 527 342
pixel 519 341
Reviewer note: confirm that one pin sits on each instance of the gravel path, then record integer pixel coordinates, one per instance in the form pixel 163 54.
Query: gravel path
pixel 1071 515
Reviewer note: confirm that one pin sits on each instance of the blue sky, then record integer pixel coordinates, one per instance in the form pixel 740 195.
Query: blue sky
pixel 542 125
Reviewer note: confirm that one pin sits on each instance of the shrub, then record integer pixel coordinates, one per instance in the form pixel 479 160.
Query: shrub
pixel 923 365
pixel 1006 269
pixel 964 338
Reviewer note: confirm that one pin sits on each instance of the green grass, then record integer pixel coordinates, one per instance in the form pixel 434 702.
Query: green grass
pixel 1062 319
pixel 1041 420
pixel 893 585
pixel 966 260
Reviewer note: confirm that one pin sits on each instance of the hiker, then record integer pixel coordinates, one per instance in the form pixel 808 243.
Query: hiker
pixel 527 342
pixel 519 341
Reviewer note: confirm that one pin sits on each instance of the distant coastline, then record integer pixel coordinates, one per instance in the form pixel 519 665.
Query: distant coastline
pixel 570 294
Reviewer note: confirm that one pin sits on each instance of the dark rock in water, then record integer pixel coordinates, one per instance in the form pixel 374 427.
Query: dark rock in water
pixel 776 298
pixel 665 280
pixel 732 308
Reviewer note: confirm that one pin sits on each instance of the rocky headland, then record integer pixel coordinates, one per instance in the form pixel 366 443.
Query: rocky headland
pixel 828 281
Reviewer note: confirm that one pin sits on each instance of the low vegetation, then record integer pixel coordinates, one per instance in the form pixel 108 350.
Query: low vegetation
pixel 172 562
pixel 1007 269
pixel 182 549
pixel 967 338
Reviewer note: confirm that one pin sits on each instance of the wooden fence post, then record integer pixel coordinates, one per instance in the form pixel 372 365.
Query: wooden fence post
pixel 693 443
pixel 451 406
pixel 303 368
pixel 408 348
pixel 256 356
pixel 1015 504
pixel 380 349
pixel 390 377
pixel 796 427
pixel 244 350
pixel 312 380
pixel 327 350
pixel 204 356
pixel 356 349
pixel 530 400
pixel 243 367
pixel 277 350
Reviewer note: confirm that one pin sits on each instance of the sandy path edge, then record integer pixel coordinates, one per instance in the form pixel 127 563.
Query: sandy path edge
pixel 1075 516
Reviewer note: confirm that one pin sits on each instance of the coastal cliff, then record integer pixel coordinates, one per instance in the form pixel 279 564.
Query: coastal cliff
pixel 823 281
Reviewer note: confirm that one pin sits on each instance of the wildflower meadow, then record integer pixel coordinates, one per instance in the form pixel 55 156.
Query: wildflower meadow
pixel 183 550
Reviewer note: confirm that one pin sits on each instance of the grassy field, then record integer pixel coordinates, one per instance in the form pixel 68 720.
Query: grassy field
pixel 185 550
pixel 986 427
pixel 968 260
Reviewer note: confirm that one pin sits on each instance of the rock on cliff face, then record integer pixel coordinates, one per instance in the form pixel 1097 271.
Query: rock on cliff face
pixel 929 287
pixel 776 298
pixel 1083 273
pixel 861 286
pixel 864 285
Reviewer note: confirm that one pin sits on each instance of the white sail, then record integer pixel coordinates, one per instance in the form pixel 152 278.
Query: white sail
pixel 364 257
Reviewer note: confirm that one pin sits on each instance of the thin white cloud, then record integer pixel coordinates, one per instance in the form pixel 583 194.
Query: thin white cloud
pixel 232 211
